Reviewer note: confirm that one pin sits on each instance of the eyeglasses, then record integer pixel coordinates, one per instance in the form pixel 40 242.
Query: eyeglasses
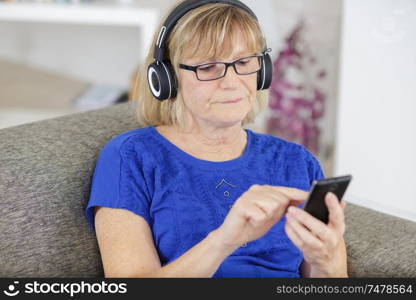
pixel 216 70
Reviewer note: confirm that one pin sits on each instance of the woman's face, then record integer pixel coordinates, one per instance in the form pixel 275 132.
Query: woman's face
pixel 205 100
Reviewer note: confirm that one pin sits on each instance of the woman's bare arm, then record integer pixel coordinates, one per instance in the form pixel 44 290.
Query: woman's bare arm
pixel 127 249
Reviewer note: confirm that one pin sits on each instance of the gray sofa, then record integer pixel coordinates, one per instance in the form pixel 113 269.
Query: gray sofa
pixel 45 172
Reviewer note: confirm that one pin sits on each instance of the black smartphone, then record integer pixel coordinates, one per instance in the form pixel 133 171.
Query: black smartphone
pixel 315 205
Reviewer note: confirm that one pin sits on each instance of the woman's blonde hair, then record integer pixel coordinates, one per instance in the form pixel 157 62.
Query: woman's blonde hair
pixel 202 31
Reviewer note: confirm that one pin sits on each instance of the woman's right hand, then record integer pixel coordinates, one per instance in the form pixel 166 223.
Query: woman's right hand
pixel 256 211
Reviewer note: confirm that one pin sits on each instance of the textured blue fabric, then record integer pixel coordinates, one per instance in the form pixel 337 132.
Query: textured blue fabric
pixel 183 198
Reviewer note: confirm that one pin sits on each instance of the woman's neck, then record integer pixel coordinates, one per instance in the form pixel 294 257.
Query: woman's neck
pixel 208 144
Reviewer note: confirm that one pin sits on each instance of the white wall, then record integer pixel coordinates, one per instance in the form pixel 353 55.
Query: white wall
pixel 98 54
pixel 376 136
pixel 94 53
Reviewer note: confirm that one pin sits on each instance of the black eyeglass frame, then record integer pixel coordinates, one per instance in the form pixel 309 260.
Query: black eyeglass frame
pixel 227 64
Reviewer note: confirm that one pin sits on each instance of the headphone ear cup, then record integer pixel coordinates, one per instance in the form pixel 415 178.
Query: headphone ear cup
pixel 172 80
pixel 265 75
pixel 162 80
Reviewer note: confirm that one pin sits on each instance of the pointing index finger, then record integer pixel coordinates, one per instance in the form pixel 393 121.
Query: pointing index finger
pixel 294 193
pixel 296 196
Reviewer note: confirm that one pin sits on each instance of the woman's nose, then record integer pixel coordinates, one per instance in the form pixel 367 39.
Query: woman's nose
pixel 231 78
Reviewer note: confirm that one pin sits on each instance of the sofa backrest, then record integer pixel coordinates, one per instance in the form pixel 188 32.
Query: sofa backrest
pixel 45 172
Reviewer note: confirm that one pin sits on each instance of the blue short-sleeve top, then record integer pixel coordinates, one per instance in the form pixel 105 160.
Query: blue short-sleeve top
pixel 184 198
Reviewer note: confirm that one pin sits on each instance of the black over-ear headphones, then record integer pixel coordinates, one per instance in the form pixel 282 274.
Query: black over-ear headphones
pixel 161 75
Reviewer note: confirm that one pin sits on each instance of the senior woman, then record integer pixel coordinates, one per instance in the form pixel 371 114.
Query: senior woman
pixel 194 194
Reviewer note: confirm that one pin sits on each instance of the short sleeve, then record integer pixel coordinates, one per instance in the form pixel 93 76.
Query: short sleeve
pixel 118 181
pixel 314 167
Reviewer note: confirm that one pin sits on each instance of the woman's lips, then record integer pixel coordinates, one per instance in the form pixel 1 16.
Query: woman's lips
pixel 233 101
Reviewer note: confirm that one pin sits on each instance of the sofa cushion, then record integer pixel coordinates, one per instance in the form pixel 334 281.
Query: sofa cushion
pixel 379 245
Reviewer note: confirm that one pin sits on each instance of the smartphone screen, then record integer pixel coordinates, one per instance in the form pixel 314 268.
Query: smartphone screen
pixel 315 204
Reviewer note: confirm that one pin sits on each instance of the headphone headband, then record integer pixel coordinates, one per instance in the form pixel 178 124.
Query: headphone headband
pixel 179 12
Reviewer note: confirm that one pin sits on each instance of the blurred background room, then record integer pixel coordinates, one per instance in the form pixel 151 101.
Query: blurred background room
pixel 344 77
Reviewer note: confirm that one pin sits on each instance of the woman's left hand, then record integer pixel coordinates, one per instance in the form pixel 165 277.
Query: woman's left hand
pixel 322 244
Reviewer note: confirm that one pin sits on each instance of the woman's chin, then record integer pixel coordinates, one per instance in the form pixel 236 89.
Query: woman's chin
pixel 228 122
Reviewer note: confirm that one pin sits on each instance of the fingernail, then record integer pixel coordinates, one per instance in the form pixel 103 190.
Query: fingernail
pixel 291 209
pixel 331 196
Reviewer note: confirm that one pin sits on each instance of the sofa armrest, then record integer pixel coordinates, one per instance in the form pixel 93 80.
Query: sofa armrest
pixel 379 245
